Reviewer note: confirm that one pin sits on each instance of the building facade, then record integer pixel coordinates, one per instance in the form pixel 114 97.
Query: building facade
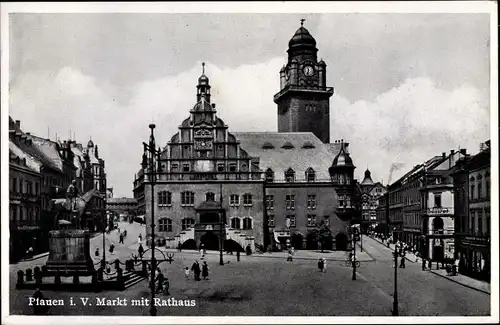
pixel 471 180
pixel 269 188
pixel 371 193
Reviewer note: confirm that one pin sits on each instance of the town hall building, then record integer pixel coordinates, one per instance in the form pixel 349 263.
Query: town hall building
pixel 257 188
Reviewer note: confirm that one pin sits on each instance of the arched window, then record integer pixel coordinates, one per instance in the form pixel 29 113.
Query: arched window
pixel 310 175
pixel 290 175
pixel 247 223
pixel 187 222
pixel 235 223
pixel 479 186
pixel 210 196
pixel 472 187
pixel 247 199
pixel 438 225
pixel 165 224
pixel 269 175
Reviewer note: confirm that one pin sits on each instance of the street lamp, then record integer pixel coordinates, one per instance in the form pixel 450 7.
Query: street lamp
pixel 222 218
pixel 395 309
pixel 148 165
pixel 354 230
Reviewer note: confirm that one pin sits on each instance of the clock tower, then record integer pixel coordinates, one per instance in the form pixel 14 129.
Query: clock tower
pixel 304 99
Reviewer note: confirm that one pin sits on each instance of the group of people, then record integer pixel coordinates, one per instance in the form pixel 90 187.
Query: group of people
pixel 163 285
pixel 322 264
pixel 197 271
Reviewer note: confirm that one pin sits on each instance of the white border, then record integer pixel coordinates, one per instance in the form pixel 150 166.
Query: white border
pixel 253 7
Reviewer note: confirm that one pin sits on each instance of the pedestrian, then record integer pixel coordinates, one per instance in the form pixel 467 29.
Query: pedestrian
pixel 238 255
pixel 140 250
pixel 290 256
pixel 179 247
pixel 121 239
pixel 248 250
pixel 403 261
pixel 166 287
pixel 202 255
pixel 39 308
pixel 204 270
pixel 196 270
pixel 202 247
pixel 423 264
pixel 186 272
pixel 320 264
pixel 324 265
pixel 430 264
pixel 97 251
pixel 111 248
pixel 160 278
pixel 29 252
pixel 139 239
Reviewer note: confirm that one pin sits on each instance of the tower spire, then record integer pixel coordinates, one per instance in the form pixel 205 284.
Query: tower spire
pixel 302 22
pixel 203 68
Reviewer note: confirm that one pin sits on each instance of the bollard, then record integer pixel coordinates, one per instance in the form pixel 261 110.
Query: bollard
pixel 20 277
pixel 76 279
pixel 36 271
pixel 57 278
pixel 29 275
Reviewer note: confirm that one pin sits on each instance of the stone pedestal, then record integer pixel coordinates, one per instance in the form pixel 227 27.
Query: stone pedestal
pixel 69 250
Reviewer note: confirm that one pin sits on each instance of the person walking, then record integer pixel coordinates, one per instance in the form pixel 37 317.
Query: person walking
pixel 196 270
pixel 166 287
pixel 139 239
pixel 320 264
pixel 204 272
pixel 121 239
pixel 290 256
pixel 324 265
pixel 160 278
pixel 140 250
pixel 97 251
pixel 403 260
pixel 111 248
pixel 186 272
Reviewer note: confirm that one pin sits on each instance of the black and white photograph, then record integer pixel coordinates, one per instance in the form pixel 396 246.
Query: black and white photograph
pixel 192 161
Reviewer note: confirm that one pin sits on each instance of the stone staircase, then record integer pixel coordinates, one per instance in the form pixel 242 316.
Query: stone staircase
pixel 231 233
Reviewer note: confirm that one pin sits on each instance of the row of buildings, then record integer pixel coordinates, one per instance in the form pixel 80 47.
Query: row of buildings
pixel 442 207
pixel 41 170
pixel 274 188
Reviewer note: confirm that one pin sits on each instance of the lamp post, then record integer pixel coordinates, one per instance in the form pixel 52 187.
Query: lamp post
pixel 148 163
pixel 222 218
pixel 395 309
pixel 354 230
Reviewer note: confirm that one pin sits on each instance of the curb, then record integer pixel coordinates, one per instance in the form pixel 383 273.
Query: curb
pixel 461 283
pixel 406 258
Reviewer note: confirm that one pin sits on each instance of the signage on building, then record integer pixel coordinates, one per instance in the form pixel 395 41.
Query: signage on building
pixel 434 211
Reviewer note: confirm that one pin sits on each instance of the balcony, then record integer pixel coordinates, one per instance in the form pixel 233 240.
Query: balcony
pixel 441 211
pixel 326 90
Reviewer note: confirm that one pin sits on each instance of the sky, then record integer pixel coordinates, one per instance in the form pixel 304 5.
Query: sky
pixel 407 86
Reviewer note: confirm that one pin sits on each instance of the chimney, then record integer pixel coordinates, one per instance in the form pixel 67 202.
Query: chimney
pixel 18 124
pixel 463 152
pixel 452 158
pixel 213 105
pixel 444 155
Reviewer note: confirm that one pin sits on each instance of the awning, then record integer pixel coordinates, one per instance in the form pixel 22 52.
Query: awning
pixel 64 222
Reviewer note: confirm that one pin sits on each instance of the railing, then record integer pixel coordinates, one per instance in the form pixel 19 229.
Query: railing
pixel 303 88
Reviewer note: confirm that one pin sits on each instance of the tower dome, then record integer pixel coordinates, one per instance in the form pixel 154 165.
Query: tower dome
pixel 203 79
pixel 368 178
pixel 203 87
pixel 302 38
pixel 342 158
pixel 90 144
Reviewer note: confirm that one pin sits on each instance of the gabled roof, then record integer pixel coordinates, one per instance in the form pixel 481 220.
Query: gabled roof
pixel 48 149
pixel 31 162
pixel 319 157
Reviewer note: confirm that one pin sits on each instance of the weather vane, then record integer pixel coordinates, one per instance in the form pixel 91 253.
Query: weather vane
pixel 302 22
pixel 203 67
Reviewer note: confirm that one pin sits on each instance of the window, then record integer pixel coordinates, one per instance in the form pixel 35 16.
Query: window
pixel 437 200
pixel 311 220
pixel 290 220
pixel 290 176
pixel 472 188
pixel 164 198
pixel 235 223
pixel 247 199
pixel 473 223
pixel 269 175
pixel 187 199
pixel 270 220
pixel 220 168
pixel 327 221
pixel 479 188
pixel 487 189
pixel 210 196
pixel 185 168
pixel 348 201
pixel 311 202
pixel 234 200
pixel 175 167
pixel 232 167
pixel 165 224
pixel 341 201
pixel 290 201
pixel 247 223
pixel 187 222
pixel 480 222
pixel 14 185
pixel 310 175
pixel 269 202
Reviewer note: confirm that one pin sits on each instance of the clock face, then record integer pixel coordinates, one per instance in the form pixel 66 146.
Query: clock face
pixel 308 70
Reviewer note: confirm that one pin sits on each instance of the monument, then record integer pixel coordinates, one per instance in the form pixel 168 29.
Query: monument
pixel 69 244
